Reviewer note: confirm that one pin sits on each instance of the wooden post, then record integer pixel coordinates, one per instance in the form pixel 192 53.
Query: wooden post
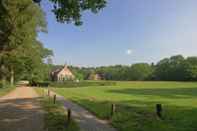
pixel 113 109
pixel 54 99
pixel 69 115
pixel 43 92
pixel 159 110
pixel 48 92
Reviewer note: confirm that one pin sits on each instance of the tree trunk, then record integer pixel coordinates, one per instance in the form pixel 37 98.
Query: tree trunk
pixel 12 76
pixel 3 76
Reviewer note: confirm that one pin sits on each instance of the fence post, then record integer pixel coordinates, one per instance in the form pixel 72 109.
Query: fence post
pixel 43 93
pixel 159 110
pixel 69 115
pixel 48 92
pixel 113 109
pixel 54 99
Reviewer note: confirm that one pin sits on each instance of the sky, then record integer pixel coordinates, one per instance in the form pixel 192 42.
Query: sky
pixel 125 32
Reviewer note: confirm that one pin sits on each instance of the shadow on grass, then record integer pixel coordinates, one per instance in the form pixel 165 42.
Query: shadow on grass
pixel 21 115
pixel 170 93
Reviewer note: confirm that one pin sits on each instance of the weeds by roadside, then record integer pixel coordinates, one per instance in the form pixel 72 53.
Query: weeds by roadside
pixel 55 115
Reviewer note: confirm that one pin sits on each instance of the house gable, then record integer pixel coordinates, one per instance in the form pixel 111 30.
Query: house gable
pixel 63 74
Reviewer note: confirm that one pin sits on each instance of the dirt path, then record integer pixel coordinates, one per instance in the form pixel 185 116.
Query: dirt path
pixel 20 111
pixel 85 120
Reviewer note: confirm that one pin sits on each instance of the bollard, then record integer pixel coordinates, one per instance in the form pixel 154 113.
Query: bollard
pixel 159 110
pixel 113 109
pixel 54 99
pixel 69 115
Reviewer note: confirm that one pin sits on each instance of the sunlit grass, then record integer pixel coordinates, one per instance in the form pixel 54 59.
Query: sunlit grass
pixel 136 104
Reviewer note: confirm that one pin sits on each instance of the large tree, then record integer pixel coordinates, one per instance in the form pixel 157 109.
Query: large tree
pixel 20 21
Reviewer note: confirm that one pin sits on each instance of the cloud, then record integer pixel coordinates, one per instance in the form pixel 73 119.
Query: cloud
pixel 129 52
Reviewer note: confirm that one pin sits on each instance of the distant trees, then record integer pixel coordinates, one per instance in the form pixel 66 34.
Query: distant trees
pixel 141 71
pixel 190 68
pixel 171 69
pixel 175 68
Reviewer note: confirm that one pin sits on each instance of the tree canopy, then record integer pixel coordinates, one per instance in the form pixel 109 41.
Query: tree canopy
pixel 20 51
pixel 71 10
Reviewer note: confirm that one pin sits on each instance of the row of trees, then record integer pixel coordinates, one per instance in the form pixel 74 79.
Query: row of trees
pixel 21 54
pixel 175 68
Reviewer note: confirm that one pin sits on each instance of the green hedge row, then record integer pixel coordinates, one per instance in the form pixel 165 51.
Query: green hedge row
pixel 39 83
pixel 82 83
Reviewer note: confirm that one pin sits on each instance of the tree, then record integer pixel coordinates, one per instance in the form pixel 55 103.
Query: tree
pixel 141 71
pixel 171 69
pixel 71 10
pixel 20 21
pixel 190 66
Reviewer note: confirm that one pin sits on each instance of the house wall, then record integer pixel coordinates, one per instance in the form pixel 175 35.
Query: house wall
pixel 65 74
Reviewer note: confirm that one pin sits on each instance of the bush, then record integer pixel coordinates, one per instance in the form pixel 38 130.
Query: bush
pixel 39 83
pixel 3 86
pixel 82 83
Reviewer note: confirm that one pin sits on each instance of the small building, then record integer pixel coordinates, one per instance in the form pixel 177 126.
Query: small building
pixel 94 76
pixel 62 74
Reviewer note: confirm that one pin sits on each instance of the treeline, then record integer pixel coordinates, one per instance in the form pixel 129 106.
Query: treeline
pixel 21 54
pixel 175 68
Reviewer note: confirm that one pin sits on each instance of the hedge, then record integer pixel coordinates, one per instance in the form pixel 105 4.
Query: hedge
pixel 82 83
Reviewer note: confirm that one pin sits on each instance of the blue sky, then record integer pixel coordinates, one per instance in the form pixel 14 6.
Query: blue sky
pixel 125 32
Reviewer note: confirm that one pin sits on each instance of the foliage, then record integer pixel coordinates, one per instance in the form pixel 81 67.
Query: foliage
pixel 77 73
pixel 21 54
pixel 71 10
pixel 141 71
pixel 135 104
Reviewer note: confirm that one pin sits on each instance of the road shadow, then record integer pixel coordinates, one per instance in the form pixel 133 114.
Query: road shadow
pixel 21 115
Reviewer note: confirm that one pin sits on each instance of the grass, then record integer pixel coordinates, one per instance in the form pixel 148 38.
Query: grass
pixel 4 91
pixel 136 104
pixel 55 116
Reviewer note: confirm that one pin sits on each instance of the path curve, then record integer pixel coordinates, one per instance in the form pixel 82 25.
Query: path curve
pixel 86 120
pixel 20 111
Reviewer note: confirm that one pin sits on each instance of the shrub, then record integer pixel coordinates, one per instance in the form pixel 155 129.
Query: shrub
pixel 39 83
pixel 3 86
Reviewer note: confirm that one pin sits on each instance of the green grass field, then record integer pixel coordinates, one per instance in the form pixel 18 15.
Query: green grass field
pixel 136 104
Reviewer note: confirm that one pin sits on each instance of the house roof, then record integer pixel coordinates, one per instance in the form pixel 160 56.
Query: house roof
pixel 60 69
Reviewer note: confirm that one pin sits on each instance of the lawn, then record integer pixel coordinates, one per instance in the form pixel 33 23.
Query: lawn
pixel 135 104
